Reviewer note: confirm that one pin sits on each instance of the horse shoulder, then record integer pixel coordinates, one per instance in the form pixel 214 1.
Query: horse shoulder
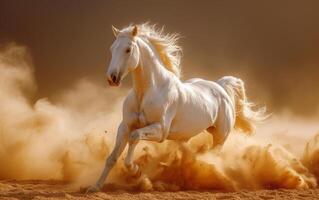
pixel 158 101
pixel 130 109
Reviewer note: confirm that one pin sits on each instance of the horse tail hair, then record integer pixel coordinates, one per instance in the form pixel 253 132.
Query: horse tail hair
pixel 246 112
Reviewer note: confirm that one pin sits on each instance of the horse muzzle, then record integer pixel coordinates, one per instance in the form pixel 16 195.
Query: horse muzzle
pixel 114 80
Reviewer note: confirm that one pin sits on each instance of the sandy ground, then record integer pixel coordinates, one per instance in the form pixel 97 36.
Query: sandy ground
pixel 11 189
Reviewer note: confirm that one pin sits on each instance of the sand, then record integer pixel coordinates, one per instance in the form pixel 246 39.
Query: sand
pixel 12 189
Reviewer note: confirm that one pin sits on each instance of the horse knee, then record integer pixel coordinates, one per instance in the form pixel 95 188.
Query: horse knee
pixel 134 137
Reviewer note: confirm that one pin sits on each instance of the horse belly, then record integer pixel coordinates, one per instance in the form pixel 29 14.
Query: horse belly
pixel 190 123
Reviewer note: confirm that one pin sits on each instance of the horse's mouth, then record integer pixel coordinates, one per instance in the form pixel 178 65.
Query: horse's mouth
pixel 114 84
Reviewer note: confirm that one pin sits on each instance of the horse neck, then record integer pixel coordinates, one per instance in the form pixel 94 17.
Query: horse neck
pixel 150 71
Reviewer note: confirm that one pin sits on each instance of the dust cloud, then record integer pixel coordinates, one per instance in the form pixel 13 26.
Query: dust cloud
pixel 42 140
pixel 69 139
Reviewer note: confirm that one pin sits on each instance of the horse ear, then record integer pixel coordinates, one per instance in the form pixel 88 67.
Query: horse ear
pixel 115 31
pixel 134 32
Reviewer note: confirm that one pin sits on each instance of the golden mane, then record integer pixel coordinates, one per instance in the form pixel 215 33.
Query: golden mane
pixel 165 44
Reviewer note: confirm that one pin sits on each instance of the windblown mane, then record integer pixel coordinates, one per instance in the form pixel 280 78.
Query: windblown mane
pixel 165 44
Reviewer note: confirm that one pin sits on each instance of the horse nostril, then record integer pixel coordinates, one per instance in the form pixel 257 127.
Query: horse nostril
pixel 113 77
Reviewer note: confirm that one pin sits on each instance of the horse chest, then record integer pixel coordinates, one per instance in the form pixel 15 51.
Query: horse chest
pixel 151 111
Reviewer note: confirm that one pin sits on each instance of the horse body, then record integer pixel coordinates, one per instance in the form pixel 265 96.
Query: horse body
pixel 198 108
pixel 160 106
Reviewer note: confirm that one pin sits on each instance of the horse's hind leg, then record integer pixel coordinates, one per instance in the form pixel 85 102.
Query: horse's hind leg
pixel 218 135
pixel 222 127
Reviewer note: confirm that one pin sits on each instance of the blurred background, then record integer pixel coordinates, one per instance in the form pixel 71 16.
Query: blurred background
pixel 272 45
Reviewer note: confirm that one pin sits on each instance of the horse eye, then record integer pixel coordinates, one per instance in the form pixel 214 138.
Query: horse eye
pixel 128 50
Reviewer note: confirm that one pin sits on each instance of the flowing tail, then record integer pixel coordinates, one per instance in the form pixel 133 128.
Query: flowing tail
pixel 246 115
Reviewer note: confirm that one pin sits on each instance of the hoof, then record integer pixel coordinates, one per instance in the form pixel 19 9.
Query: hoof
pixel 135 172
pixel 92 189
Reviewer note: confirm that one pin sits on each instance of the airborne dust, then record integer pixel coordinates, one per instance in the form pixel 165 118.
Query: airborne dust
pixel 70 139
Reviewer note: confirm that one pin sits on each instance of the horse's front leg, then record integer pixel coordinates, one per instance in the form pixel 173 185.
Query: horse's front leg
pixel 151 132
pixel 157 131
pixel 121 141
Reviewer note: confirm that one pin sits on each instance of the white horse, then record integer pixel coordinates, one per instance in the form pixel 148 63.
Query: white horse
pixel 160 106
